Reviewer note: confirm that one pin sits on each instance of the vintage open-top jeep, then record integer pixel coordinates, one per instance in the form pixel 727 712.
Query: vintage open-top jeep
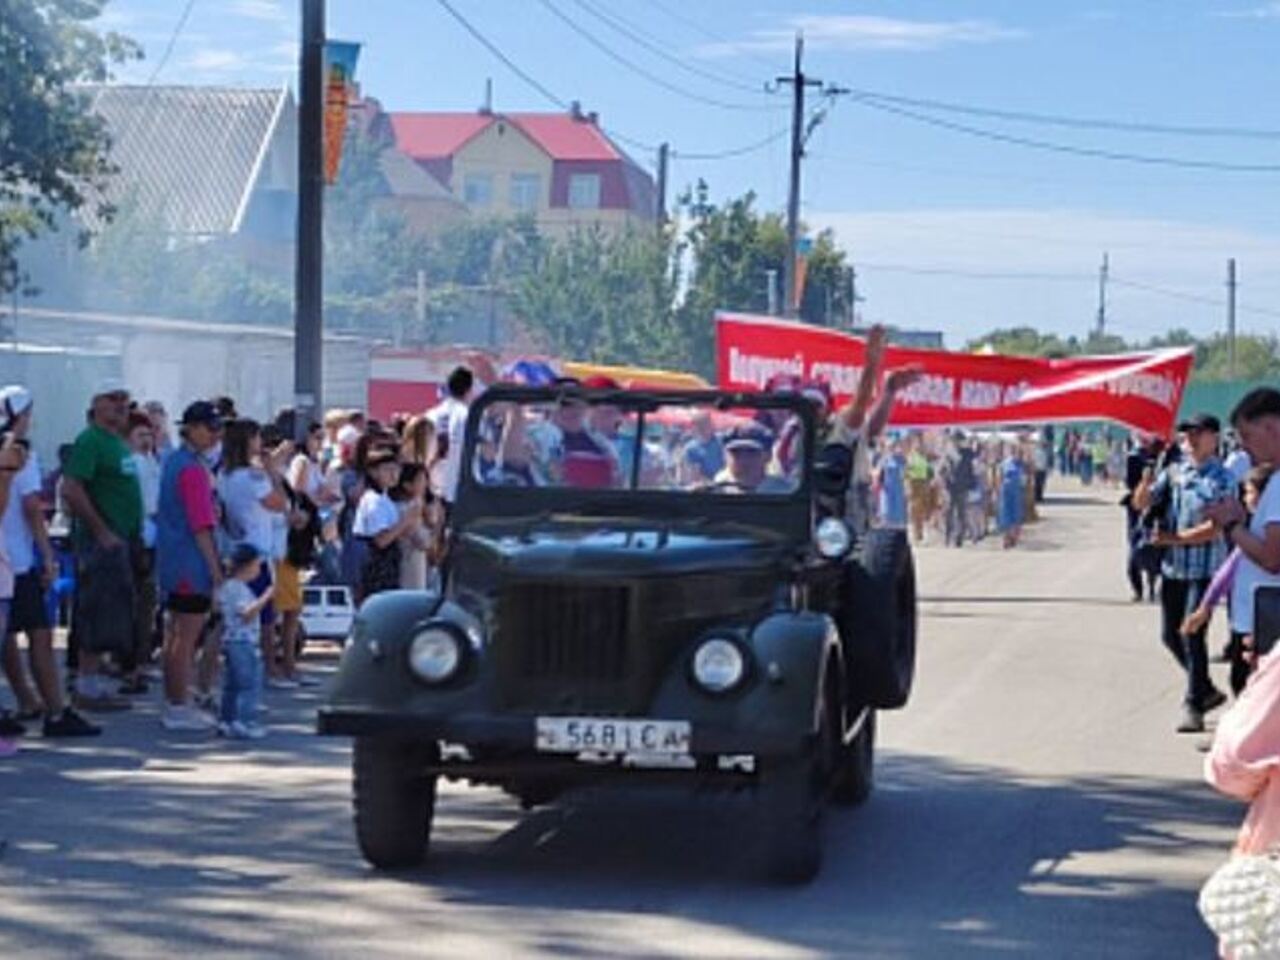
pixel 625 599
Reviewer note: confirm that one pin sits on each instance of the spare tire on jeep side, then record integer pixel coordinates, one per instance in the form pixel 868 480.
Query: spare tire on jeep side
pixel 878 621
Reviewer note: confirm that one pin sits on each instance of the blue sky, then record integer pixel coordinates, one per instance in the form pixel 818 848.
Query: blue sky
pixel 920 208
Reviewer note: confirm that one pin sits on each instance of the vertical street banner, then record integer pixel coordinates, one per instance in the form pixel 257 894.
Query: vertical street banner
pixel 1139 390
pixel 339 87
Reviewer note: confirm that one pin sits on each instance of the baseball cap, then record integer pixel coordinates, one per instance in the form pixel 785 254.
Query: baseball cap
pixel 15 401
pixel 109 386
pixel 1201 421
pixel 201 412
pixel 243 553
pixel 748 438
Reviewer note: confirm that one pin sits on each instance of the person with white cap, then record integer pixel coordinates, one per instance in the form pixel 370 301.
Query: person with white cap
pixel 26 540
pixel 101 487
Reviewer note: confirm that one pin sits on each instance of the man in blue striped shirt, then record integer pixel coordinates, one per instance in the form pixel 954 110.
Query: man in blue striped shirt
pixel 1193 552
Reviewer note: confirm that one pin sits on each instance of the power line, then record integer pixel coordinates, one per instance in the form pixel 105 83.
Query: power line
pixel 961 273
pixel 677 15
pixel 1084 123
pixel 507 61
pixel 564 105
pixel 1192 297
pixel 1067 148
pixel 639 70
pixel 173 41
pixel 734 152
pixel 636 36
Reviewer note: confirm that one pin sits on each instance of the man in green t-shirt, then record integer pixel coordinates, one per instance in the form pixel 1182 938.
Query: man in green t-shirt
pixel 101 486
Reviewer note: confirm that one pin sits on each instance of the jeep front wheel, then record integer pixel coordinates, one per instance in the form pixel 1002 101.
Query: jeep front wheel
pixel 792 796
pixel 394 799
pixel 854 775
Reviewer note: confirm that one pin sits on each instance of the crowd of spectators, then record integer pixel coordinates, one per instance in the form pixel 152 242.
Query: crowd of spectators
pixel 178 553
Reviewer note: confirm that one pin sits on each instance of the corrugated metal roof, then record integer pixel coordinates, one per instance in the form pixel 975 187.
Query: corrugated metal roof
pixel 564 137
pixel 425 136
pixel 188 156
pixel 428 136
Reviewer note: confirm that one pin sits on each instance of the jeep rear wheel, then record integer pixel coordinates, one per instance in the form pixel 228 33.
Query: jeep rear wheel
pixel 394 799
pixel 879 621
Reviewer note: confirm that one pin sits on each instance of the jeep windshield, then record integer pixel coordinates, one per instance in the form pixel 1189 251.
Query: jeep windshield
pixel 693 445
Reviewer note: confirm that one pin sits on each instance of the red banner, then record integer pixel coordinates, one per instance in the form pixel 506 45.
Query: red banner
pixel 1140 390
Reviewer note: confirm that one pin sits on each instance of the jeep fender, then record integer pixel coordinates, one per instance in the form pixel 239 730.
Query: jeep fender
pixel 789 652
pixel 373 671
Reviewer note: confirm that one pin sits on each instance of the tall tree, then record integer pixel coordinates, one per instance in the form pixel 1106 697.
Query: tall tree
pixel 603 297
pixel 53 151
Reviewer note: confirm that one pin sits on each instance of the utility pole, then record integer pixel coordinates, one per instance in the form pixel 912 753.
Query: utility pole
pixel 797 81
pixel 308 297
pixel 1231 318
pixel 664 151
pixel 1103 271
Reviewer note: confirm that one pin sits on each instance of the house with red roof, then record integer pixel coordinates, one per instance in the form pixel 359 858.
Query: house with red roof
pixel 561 168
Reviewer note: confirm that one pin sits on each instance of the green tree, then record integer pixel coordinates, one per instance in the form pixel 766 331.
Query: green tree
pixel 730 249
pixel 53 151
pixel 1257 358
pixel 603 297
pixel 1024 342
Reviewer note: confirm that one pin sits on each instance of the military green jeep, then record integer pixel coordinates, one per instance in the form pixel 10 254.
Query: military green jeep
pixel 640 587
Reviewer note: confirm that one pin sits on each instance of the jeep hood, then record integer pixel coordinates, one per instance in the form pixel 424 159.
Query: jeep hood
pixel 600 547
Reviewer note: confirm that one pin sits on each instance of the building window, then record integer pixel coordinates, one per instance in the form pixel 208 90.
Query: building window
pixel 526 191
pixel 477 190
pixel 584 191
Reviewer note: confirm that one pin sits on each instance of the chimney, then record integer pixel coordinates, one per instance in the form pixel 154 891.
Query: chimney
pixel 486 108
pixel 575 110
pixel 593 118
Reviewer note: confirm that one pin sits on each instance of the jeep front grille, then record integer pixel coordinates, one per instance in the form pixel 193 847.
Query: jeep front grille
pixel 564 646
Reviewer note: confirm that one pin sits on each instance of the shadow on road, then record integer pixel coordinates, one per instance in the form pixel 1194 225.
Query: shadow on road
pixel 194 844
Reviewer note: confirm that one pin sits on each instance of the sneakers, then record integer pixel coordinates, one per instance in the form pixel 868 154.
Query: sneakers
pixel 1192 721
pixel 235 730
pixel 185 718
pixel 281 683
pixel 1213 700
pixel 10 727
pixel 69 724
pixel 305 681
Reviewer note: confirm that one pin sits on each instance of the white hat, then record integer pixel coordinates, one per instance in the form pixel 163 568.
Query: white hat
pixel 109 385
pixel 348 436
pixel 14 401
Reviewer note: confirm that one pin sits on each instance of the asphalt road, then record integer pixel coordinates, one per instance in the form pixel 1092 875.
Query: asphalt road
pixel 1033 800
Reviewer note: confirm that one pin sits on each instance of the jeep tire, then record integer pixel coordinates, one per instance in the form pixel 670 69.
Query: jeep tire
pixel 878 622
pixel 854 775
pixel 792 797
pixel 394 800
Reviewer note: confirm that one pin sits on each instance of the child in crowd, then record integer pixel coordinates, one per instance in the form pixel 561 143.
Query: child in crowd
pixel 1239 654
pixel 380 524
pixel 242 665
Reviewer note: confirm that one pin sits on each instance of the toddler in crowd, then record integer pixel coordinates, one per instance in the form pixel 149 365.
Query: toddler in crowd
pixel 242 659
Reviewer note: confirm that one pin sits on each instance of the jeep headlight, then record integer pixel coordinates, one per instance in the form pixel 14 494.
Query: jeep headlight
pixel 718 665
pixel 832 538
pixel 436 653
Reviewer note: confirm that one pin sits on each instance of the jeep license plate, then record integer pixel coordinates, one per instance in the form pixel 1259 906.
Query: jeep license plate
pixel 578 734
